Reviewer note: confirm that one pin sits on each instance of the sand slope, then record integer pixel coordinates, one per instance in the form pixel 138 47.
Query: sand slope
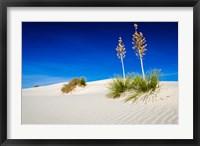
pixel 89 105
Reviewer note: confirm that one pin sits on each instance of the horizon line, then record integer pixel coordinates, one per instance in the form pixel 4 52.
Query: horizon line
pixel 88 82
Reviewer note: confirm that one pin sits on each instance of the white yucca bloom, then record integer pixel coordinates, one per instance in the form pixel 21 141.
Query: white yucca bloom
pixel 121 53
pixel 139 43
pixel 121 50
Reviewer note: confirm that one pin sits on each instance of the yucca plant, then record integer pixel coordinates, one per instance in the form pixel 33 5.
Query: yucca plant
pixel 139 43
pixel 118 86
pixel 144 87
pixel 134 86
pixel 121 53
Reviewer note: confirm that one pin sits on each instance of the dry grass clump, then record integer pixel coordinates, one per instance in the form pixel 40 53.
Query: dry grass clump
pixel 81 82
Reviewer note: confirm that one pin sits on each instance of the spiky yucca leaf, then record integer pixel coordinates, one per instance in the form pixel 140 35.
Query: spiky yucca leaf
pixel 135 86
pixel 143 86
pixel 118 86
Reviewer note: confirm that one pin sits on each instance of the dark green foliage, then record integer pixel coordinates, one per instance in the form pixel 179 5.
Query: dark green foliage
pixel 82 82
pixel 135 84
pixel 72 84
pixel 36 86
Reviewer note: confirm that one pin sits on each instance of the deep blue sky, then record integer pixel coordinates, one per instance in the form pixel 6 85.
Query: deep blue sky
pixel 54 52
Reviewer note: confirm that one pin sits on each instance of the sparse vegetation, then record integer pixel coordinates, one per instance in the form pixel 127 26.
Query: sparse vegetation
pixel 135 85
pixel 81 82
pixel 144 87
pixel 36 86
pixel 119 86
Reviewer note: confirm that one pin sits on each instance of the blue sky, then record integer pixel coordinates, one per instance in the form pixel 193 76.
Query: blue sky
pixel 54 52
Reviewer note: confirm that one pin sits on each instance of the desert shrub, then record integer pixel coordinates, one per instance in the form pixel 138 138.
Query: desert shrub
pixel 148 84
pixel 118 86
pixel 153 79
pixel 82 82
pixel 145 86
pixel 66 88
pixel 36 86
pixel 135 84
pixel 74 81
pixel 73 84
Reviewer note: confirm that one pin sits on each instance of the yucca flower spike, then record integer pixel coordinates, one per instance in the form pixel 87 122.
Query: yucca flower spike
pixel 121 53
pixel 139 43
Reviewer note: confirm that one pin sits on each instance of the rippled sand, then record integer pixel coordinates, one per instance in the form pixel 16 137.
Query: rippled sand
pixel 89 105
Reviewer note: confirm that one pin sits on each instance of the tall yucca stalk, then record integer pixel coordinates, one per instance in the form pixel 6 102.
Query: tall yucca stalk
pixel 121 54
pixel 139 43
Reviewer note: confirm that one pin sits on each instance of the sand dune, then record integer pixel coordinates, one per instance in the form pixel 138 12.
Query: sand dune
pixel 89 105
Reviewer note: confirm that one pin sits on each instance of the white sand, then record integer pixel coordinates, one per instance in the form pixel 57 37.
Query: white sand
pixel 89 105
